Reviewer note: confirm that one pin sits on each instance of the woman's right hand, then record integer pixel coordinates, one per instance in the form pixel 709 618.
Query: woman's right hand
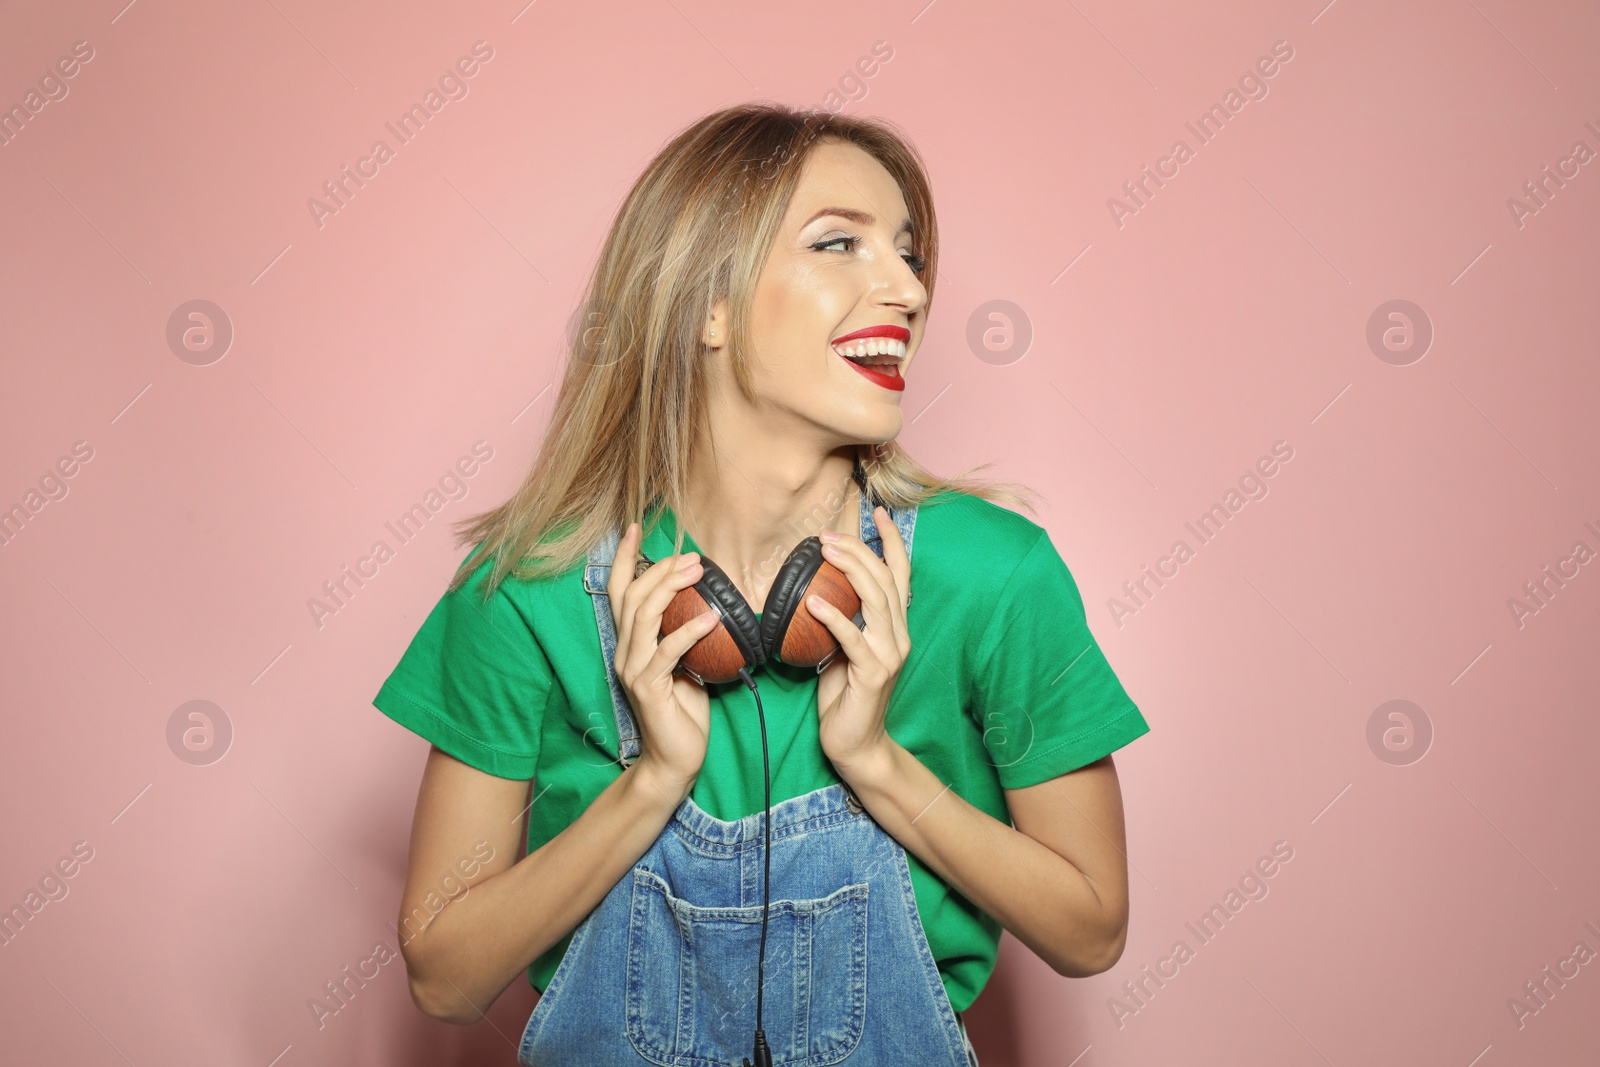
pixel 672 712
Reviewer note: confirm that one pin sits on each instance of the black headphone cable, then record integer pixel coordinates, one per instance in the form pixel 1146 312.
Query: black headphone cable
pixel 763 1055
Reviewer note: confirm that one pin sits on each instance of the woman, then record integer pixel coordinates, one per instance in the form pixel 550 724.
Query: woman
pixel 792 867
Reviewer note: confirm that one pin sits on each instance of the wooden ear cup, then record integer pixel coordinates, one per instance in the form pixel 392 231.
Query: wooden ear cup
pixel 716 657
pixel 806 641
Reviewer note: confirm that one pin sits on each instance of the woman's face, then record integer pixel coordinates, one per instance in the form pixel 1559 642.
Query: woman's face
pixel 843 261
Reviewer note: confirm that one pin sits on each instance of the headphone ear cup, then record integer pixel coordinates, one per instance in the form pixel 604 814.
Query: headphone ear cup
pixel 789 632
pixel 733 644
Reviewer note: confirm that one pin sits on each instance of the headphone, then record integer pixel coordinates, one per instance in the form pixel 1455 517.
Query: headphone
pixel 784 633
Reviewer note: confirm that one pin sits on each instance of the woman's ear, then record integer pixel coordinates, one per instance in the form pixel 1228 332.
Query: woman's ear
pixel 714 330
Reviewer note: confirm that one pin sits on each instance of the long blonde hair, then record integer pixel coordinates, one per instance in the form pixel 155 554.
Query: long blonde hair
pixel 695 227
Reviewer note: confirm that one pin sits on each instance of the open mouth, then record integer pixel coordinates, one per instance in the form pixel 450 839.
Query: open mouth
pixel 877 359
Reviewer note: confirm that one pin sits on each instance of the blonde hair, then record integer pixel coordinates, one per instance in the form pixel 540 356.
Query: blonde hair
pixel 696 227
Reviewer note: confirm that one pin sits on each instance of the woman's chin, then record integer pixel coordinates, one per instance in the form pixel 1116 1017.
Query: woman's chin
pixel 868 433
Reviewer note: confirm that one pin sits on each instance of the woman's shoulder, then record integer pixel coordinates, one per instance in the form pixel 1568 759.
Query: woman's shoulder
pixel 970 547
pixel 517 586
pixel 952 516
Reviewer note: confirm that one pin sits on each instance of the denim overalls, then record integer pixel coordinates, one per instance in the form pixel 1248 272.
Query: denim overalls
pixel 663 970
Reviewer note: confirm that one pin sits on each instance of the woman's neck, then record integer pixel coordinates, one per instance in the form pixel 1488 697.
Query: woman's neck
pixel 747 515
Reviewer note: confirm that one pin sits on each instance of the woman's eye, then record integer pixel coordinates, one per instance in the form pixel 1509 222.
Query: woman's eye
pixel 916 262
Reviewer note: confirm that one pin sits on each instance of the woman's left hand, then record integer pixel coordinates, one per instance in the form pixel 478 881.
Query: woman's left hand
pixel 853 691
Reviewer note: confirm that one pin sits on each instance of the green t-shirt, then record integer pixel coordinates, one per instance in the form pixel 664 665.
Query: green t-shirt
pixel 1005 687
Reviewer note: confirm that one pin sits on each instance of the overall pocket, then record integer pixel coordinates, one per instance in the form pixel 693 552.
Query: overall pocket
pixel 691 977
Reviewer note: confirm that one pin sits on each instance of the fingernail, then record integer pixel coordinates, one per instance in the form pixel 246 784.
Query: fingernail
pixel 829 535
pixel 817 602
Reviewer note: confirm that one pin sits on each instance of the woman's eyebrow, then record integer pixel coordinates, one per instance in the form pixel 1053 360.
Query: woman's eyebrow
pixel 860 217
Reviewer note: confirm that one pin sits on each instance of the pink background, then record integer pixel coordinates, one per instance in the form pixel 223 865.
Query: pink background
pixel 1168 353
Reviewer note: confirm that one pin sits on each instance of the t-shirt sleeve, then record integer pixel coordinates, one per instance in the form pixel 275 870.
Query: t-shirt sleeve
pixel 1045 697
pixel 473 681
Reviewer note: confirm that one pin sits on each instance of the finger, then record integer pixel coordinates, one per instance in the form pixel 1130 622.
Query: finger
pixel 675 645
pixel 622 565
pixel 627 591
pixel 852 641
pixel 881 599
pixel 894 552
pixel 898 561
pixel 873 583
pixel 647 603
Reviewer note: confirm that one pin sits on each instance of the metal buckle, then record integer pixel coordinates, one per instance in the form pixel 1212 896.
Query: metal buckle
pixel 851 802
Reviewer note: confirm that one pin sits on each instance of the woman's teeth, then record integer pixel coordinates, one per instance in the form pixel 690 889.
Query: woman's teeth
pixel 873 351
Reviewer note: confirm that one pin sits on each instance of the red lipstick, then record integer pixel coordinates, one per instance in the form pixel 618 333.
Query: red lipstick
pixel 897 333
pixel 888 381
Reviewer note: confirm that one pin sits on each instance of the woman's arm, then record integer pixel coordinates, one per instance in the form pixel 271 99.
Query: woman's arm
pixel 512 911
pixel 1058 881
